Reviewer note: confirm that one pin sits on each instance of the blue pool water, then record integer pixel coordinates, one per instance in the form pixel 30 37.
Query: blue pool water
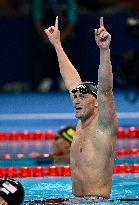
pixel 18 112
pixel 46 146
pixel 30 162
pixel 26 147
pixel 123 186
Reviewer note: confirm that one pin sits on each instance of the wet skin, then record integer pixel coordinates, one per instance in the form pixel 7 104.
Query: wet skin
pixel 92 150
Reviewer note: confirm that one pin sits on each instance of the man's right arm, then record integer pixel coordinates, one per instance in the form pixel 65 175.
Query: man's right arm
pixel 67 70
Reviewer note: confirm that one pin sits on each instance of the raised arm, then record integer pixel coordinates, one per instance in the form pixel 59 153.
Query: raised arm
pixel 107 115
pixel 67 70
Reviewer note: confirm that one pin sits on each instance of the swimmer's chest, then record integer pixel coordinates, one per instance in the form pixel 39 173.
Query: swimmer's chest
pixel 90 143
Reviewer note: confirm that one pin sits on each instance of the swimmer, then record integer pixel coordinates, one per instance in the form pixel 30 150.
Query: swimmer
pixel 61 145
pixel 92 149
pixel 11 192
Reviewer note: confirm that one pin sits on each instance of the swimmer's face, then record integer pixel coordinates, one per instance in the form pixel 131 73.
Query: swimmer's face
pixel 84 105
pixel 61 145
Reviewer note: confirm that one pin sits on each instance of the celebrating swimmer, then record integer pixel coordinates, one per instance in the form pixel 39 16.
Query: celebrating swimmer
pixel 92 149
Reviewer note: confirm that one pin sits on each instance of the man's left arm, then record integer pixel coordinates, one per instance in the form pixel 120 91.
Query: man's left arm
pixel 106 103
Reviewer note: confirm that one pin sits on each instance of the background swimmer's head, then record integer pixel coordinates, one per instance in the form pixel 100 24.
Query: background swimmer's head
pixel 11 191
pixel 86 87
pixel 67 133
pixel 64 139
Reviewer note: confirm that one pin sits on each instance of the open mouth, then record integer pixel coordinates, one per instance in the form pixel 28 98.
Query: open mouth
pixel 78 108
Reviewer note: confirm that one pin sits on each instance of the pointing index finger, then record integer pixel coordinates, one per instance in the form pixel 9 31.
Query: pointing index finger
pixel 101 22
pixel 56 23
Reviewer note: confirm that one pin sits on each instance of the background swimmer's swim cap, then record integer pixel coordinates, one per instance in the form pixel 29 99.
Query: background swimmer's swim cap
pixel 86 87
pixel 11 191
pixel 67 133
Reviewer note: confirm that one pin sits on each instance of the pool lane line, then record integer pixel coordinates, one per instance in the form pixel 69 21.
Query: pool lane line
pixel 45 157
pixel 56 201
pixel 58 116
pixel 58 171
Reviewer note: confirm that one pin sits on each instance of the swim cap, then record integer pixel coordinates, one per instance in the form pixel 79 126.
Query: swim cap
pixel 86 87
pixel 11 191
pixel 67 133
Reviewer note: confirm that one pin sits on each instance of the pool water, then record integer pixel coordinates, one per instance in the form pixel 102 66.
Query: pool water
pixel 30 162
pixel 127 160
pixel 46 146
pixel 26 147
pixel 123 186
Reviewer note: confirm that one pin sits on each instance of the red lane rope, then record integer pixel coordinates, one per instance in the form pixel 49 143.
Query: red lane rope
pixel 57 171
pixel 119 153
pixel 131 132
pixel 26 135
pixel 125 152
pixel 34 171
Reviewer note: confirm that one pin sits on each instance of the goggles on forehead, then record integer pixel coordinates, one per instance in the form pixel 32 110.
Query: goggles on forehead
pixel 90 88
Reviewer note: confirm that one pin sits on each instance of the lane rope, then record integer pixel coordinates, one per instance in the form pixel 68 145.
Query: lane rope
pixel 129 133
pixel 56 201
pixel 120 153
pixel 42 171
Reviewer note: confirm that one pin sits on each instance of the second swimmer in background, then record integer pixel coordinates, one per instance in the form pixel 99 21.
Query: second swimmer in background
pixel 61 146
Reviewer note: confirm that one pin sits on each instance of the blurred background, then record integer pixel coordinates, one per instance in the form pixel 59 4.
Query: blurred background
pixel 30 81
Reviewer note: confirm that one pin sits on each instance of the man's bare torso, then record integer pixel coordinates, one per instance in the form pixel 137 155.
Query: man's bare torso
pixel 91 160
